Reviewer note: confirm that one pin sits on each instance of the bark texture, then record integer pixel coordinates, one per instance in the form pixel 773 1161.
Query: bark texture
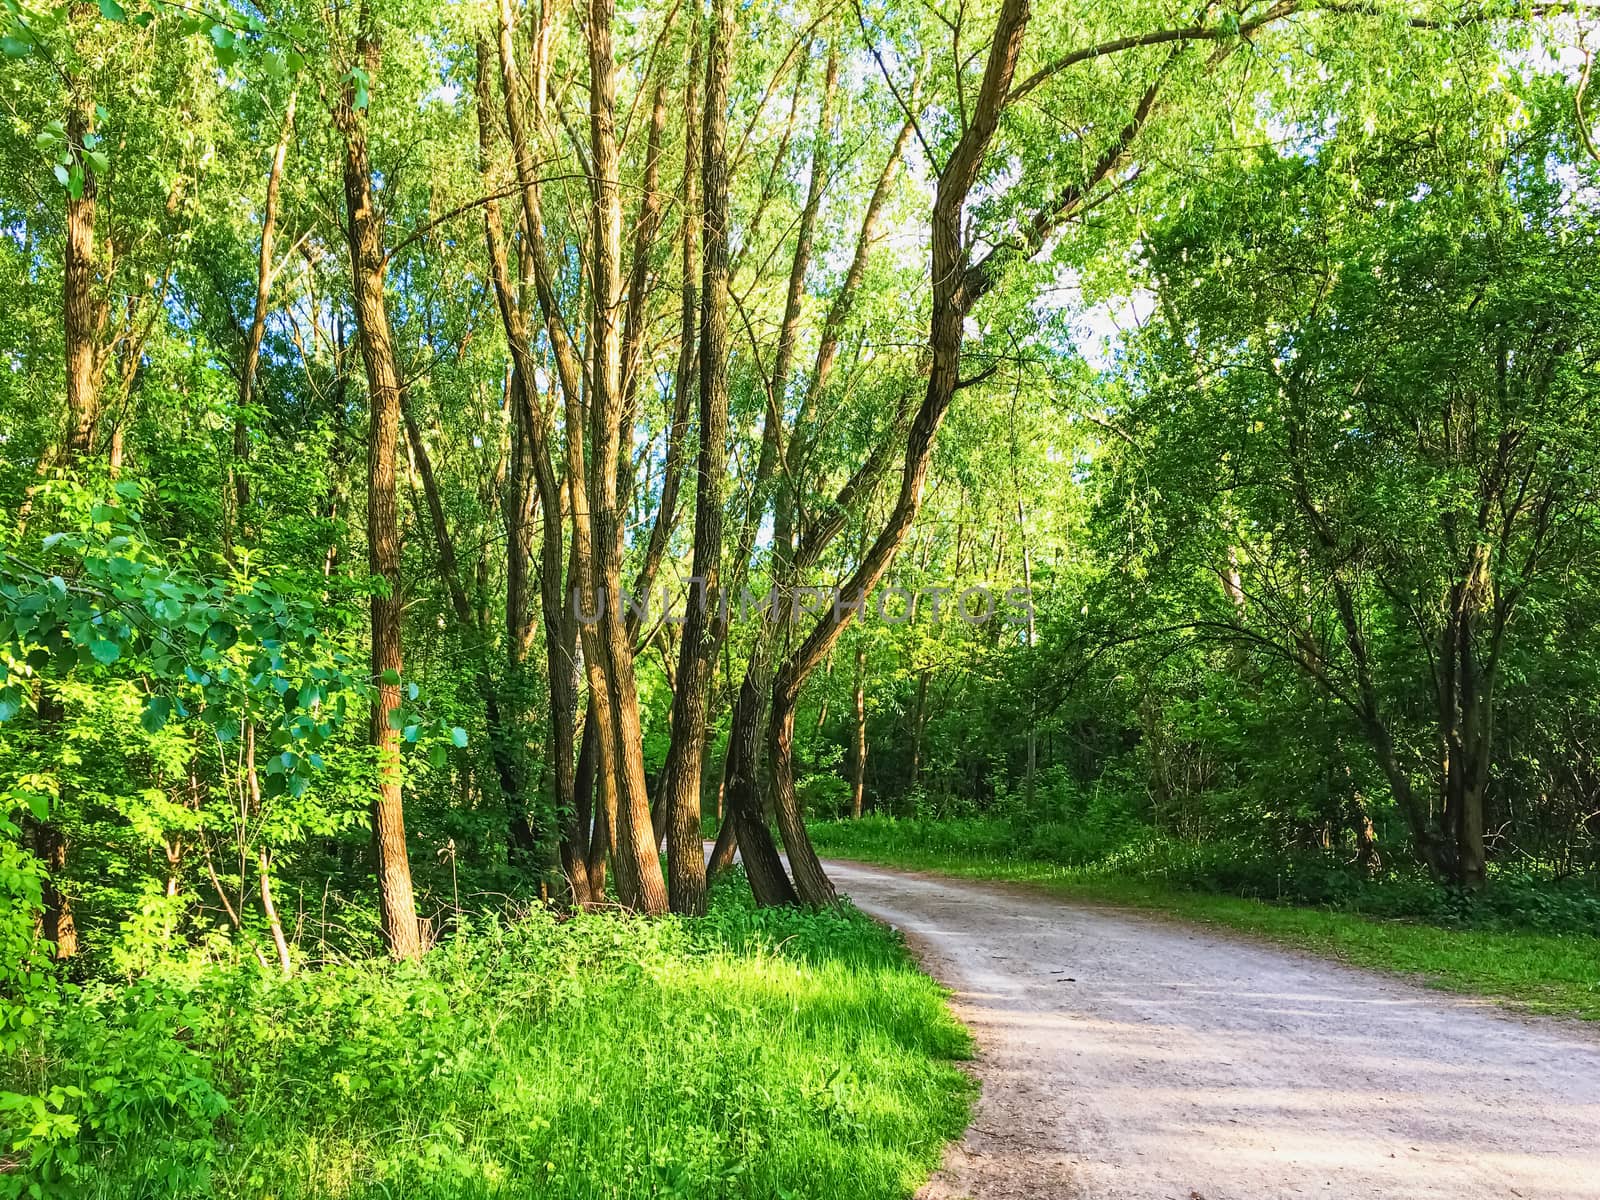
pixel 364 231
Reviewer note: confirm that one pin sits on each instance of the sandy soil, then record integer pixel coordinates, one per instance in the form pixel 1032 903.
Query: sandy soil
pixel 1128 1056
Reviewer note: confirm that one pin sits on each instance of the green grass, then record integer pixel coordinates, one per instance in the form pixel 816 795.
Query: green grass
pixel 748 1054
pixel 1526 970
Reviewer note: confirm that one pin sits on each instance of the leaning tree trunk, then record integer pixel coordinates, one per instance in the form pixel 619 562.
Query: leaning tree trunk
pixel 364 231
pixel 560 629
pixel 956 287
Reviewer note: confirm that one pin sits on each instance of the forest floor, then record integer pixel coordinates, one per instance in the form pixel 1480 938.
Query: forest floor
pixel 1128 1054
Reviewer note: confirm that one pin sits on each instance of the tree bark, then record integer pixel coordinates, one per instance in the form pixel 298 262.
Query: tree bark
pixel 956 287
pixel 364 231
pixel 688 360
pixel 639 879
pixel 698 646
pixel 82 316
pixel 83 312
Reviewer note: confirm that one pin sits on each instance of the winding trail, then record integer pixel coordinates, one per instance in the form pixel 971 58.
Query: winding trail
pixel 1124 1055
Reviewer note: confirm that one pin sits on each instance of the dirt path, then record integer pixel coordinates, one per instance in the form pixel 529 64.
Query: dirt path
pixel 1126 1056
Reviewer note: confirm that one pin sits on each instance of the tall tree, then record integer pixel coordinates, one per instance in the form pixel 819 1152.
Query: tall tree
pixel 364 233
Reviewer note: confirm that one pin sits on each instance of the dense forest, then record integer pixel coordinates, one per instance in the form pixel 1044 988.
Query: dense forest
pixel 472 470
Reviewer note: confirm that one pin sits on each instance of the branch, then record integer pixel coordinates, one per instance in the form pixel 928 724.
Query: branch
pixel 422 231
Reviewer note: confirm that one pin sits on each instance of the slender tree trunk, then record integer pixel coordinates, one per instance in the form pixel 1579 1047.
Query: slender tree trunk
pixel 593 521
pixel 263 870
pixel 745 821
pixel 401 932
pixel 252 784
pixel 258 328
pixel 595 813
pixel 723 850
pixel 560 628
pixel 919 720
pixel 688 360
pixel 1033 725
pixel 57 924
pixel 763 866
pixel 522 838
pixel 745 737
pixel 858 781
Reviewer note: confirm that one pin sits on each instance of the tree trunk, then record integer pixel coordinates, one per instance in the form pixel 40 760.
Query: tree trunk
pixel 82 310
pixel 560 627
pixel 594 811
pixel 764 869
pixel 364 231
pixel 956 286
pixel 82 315
pixel 858 780
pixel 258 329
pixel 698 646
pixel 57 925
pixel 723 850
pixel 919 719
pixel 621 743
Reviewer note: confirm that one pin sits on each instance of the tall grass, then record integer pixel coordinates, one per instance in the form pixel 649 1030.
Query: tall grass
pixel 747 1054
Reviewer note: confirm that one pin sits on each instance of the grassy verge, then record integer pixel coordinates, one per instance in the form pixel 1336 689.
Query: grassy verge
pixel 747 1054
pixel 1537 972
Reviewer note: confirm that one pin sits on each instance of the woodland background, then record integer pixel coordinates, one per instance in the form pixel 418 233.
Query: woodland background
pixel 341 344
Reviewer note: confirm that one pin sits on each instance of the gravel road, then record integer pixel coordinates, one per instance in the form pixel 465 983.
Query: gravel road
pixel 1124 1055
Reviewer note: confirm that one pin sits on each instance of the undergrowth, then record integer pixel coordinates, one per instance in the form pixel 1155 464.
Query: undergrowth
pixel 745 1054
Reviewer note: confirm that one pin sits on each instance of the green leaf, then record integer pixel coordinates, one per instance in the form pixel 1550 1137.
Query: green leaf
pixel 436 756
pixel 112 11
pixel 99 160
pixel 15 47
pixel 105 651
pixel 10 702
pixel 458 735
pixel 157 709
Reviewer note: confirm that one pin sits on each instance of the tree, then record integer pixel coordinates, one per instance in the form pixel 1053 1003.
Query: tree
pixel 367 262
